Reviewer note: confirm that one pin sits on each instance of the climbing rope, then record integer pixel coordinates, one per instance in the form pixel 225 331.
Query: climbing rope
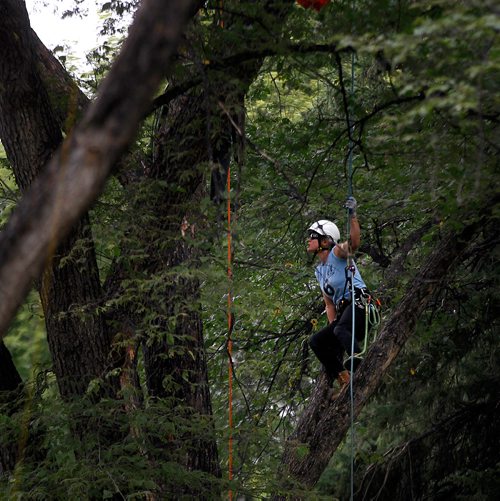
pixel 351 268
pixel 372 314
pixel 230 317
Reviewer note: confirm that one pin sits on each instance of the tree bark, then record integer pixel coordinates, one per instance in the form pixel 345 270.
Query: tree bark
pixel 324 423
pixel 194 133
pixel 67 99
pixel 76 175
pixel 70 288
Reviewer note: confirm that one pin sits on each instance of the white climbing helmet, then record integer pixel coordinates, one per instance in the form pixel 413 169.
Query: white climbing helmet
pixel 325 228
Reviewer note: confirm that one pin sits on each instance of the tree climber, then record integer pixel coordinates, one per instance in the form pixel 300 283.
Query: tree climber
pixel 333 274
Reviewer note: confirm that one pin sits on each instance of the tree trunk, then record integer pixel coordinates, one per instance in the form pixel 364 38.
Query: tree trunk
pixel 68 101
pixel 45 215
pixel 324 424
pixel 194 132
pixel 70 291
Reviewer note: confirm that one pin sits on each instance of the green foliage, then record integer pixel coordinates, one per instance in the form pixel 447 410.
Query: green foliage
pixel 26 336
pixel 26 339
pixel 87 468
pixel 8 189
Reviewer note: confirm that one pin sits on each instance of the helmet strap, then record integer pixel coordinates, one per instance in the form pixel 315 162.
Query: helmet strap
pixel 321 248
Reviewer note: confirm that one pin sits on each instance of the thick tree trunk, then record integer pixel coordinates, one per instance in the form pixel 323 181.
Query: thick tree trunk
pixel 78 338
pixel 324 423
pixel 69 292
pixel 177 370
pixel 58 197
pixel 174 353
pixel 45 215
pixel 193 131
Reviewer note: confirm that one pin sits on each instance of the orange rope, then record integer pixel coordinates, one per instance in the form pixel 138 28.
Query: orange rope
pixel 230 328
pixel 229 308
pixel 221 20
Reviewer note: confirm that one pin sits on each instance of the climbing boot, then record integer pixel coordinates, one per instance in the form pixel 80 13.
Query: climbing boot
pixel 343 379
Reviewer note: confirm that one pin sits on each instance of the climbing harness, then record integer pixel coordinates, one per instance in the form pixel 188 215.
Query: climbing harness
pixel 365 300
pixel 371 306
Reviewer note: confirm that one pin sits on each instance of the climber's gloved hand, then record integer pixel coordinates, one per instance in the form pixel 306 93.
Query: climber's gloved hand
pixel 351 205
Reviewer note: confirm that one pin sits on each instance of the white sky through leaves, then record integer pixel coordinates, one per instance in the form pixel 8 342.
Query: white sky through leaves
pixel 80 34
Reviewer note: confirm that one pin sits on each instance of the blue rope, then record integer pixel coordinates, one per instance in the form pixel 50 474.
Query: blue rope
pixel 351 129
pixel 351 271
pixel 351 381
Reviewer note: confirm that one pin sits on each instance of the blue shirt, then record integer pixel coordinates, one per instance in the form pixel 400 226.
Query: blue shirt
pixel 331 277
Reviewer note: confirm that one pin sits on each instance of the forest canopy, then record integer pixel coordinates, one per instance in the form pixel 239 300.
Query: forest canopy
pixel 156 297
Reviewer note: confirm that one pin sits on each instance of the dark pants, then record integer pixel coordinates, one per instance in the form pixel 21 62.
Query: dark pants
pixel 330 344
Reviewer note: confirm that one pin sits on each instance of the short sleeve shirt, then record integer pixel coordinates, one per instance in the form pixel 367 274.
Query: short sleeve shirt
pixel 331 276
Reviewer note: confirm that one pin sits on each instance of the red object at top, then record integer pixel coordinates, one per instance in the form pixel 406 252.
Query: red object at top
pixel 317 5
